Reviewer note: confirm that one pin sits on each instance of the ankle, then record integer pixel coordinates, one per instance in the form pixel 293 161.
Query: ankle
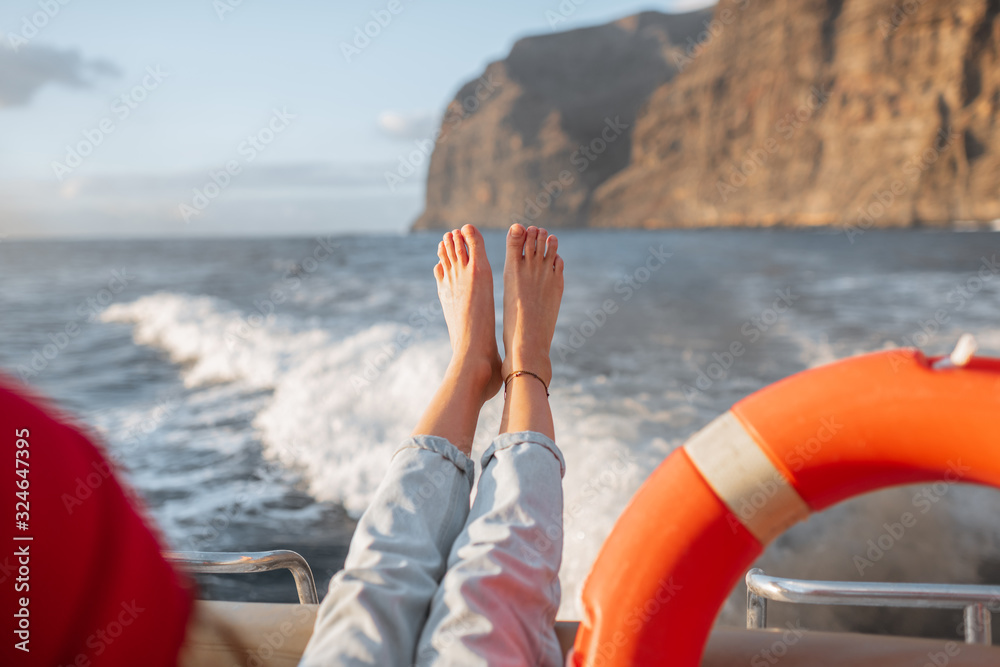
pixel 536 363
pixel 472 373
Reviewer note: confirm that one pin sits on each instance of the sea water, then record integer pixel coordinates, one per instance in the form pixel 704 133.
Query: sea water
pixel 253 390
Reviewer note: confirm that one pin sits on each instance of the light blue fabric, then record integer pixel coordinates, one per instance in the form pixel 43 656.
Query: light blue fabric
pixel 498 601
pixel 376 606
pixel 473 587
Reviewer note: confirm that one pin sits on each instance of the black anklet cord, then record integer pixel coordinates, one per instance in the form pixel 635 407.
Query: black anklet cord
pixel 519 374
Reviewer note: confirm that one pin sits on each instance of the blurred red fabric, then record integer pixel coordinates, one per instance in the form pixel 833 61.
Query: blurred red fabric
pixel 97 590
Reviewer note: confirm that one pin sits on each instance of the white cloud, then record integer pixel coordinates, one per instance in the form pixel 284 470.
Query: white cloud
pixel 408 126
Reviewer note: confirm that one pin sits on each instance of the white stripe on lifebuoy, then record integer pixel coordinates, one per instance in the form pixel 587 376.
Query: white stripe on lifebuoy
pixel 744 478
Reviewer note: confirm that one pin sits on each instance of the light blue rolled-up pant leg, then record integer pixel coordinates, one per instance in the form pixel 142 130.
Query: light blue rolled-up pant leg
pixel 377 605
pixel 498 600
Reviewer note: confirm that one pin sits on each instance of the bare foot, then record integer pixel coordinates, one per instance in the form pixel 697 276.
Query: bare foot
pixel 465 287
pixel 532 292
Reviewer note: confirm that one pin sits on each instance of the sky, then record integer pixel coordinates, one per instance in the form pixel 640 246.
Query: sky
pixel 239 117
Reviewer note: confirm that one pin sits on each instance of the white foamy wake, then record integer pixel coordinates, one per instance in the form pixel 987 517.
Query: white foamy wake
pixel 340 406
pixel 329 412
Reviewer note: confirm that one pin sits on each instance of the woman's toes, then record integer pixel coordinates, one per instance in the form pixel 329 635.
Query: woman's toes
pixel 439 272
pixel 543 237
pixel 461 252
pixel 443 256
pixel 515 242
pixel 529 243
pixel 559 265
pixel 449 248
pixel 474 240
pixel 551 245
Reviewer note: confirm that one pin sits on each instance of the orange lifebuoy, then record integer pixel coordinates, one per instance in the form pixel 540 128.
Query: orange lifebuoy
pixel 798 446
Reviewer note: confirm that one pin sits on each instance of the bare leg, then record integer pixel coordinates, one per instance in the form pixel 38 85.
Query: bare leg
pixel 497 602
pixel 465 287
pixel 533 287
pixel 376 606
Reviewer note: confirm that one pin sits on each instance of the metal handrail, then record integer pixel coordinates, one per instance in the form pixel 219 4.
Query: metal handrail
pixel 221 562
pixel 977 601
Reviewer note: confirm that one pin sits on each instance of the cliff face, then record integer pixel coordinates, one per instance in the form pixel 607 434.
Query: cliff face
pixel 562 104
pixel 803 112
pixel 823 112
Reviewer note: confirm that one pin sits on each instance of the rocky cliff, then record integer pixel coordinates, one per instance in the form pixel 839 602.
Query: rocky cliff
pixel 562 104
pixel 854 113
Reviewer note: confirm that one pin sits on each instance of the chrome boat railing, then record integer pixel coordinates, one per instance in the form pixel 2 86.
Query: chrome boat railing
pixel 978 601
pixel 219 562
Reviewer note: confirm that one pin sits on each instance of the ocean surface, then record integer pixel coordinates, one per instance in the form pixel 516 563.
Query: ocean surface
pixel 254 390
